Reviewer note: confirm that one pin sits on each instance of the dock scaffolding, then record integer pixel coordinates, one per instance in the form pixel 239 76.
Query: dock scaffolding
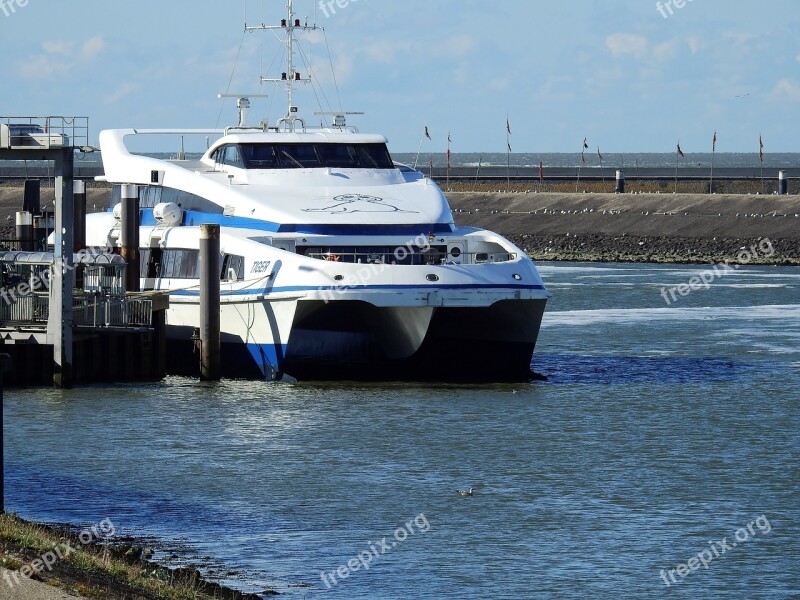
pixel 41 308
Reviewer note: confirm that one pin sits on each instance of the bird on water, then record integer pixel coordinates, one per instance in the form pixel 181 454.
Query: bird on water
pixel 469 492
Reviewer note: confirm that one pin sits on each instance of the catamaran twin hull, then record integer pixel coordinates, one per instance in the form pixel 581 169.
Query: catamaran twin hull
pixel 462 334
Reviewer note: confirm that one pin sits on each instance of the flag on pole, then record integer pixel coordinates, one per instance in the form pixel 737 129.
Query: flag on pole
pixel 509 147
pixel 599 155
pixel 585 145
pixel 583 159
pixel 714 143
pixel 508 126
pixel 427 134
pixel 680 152
pixel 448 158
pixel 448 138
pixel 760 149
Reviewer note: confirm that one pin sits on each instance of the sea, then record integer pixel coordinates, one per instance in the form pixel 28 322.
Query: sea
pixel 656 456
pixel 628 160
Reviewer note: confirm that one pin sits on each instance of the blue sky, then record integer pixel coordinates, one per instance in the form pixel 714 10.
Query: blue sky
pixel 615 71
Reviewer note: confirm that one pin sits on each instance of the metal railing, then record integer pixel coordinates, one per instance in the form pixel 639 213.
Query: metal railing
pixel 88 311
pixel 426 258
pixel 30 309
pixel 103 311
pixel 46 132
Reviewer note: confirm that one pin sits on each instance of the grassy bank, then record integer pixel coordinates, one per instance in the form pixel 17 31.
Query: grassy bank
pixel 108 571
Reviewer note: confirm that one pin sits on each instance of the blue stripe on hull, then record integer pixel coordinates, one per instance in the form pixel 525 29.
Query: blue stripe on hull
pixel 193 218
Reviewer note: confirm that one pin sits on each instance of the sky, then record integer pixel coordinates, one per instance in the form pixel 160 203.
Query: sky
pixel 628 75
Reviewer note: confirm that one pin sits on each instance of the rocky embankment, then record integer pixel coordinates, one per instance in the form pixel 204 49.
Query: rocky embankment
pixel 645 227
pixel 639 227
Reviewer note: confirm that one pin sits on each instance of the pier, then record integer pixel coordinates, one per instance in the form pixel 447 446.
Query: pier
pixel 66 314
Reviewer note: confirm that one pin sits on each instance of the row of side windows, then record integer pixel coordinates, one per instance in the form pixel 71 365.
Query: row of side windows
pixel 177 263
pixel 150 196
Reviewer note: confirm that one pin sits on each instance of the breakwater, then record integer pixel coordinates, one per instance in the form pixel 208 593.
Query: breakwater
pixel 637 227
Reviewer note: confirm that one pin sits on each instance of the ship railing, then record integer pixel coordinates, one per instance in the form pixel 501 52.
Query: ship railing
pixel 423 258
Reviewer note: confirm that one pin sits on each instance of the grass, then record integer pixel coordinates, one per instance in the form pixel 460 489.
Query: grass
pixel 99 571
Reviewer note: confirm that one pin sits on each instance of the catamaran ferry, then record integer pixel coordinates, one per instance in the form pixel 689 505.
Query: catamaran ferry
pixel 336 261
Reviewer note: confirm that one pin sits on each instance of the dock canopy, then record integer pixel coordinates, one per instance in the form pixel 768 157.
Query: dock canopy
pixel 47 258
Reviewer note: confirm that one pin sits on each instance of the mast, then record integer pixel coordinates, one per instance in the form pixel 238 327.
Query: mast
pixel 291 76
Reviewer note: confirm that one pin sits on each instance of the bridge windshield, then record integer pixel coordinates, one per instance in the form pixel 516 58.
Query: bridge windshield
pixel 308 156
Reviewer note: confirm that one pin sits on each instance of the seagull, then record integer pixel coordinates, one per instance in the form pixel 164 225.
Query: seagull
pixel 469 492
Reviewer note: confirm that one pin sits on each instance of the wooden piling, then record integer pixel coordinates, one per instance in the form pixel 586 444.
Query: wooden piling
pixel 25 230
pixel 783 183
pixel 79 226
pixel 130 236
pixel 210 361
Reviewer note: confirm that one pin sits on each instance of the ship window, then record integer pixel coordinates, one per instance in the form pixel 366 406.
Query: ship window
pixel 232 268
pixel 180 264
pixel 233 157
pixel 375 156
pixel 341 156
pixel 294 156
pixel 261 156
pixel 310 156
pixel 116 195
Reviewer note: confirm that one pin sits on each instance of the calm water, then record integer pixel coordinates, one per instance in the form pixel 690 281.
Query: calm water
pixel 661 429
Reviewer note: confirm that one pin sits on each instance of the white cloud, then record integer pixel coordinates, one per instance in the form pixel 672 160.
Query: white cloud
pixel 93 46
pixel 666 50
pixel 458 46
pixel 386 51
pixel 621 44
pixel 695 44
pixel 41 66
pixel 787 89
pixel 124 90
pixel 60 57
pixel 57 47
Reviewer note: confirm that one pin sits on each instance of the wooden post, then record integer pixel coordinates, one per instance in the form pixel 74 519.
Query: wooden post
pixel 210 364
pixel 25 230
pixel 79 227
pixel 130 236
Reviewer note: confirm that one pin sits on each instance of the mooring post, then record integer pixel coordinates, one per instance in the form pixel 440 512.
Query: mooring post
pixel 620 181
pixel 62 277
pixel 25 230
pixel 79 227
pixel 32 198
pixel 40 232
pixel 130 236
pixel 783 183
pixel 5 365
pixel 210 365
